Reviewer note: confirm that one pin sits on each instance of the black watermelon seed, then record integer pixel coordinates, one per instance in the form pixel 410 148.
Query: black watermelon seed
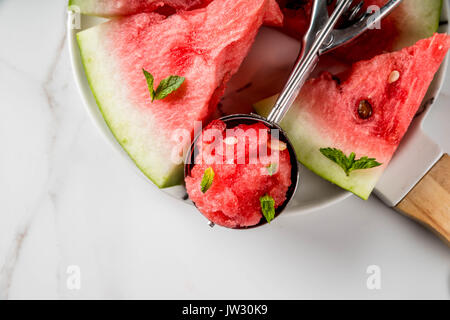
pixel 364 109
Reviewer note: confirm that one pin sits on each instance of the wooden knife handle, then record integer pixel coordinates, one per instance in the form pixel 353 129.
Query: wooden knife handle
pixel 429 201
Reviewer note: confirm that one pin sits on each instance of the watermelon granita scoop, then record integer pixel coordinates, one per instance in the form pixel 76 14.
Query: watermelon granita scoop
pixel 236 172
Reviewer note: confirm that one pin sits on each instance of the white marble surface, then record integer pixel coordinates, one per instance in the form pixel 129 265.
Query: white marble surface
pixel 67 199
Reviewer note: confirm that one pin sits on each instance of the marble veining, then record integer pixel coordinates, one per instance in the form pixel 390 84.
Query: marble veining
pixel 68 203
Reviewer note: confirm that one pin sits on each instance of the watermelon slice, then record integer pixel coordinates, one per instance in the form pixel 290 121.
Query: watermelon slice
pixel 327 113
pixel 118 8
pixel 114 8
pixel 411 21
pixel 206 46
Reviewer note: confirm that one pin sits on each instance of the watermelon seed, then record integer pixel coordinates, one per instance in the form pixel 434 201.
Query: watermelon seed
pixel 394 76
pixel 230 141
pixel 335 78
pixel 364 109
pixel 277 145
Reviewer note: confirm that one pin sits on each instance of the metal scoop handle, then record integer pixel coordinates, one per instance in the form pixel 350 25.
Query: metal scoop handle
pixel 309 55
pixel 321 38
pixel 343 36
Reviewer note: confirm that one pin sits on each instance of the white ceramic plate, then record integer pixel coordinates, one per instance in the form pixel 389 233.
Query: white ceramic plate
pixel 271 57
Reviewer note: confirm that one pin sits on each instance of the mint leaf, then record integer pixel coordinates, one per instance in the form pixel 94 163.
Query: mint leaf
pixel 365 163
pixel 272 168
pixel 268 207
pixel 337 156
pixel 167 86
pixel 207 179
pixel 150 81
pixel 349 164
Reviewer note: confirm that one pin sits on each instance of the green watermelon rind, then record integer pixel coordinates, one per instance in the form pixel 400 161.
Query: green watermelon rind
pixel 428 24
pixel 172 179
pixel 83 6
pixel 73 3
pixel 359 182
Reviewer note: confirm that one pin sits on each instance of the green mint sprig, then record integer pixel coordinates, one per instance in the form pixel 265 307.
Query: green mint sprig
pixel 349 164
pixel 165 87
pixel 272 168
pixel 268 207
pixel 207 179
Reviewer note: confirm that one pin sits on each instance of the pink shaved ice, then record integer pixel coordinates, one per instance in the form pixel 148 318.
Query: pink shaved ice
pixel 233 200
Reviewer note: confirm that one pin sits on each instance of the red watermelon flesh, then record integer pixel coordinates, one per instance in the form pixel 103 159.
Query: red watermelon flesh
pixel 233 200
pixel 326 112
pixel 206 46
pixel 117 8
pixel 411 21
pixel 296 16
pixel 274 16
pixel 114 8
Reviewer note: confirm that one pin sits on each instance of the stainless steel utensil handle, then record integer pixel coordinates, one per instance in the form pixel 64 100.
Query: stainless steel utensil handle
pixel 308 57
pixel 343 36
